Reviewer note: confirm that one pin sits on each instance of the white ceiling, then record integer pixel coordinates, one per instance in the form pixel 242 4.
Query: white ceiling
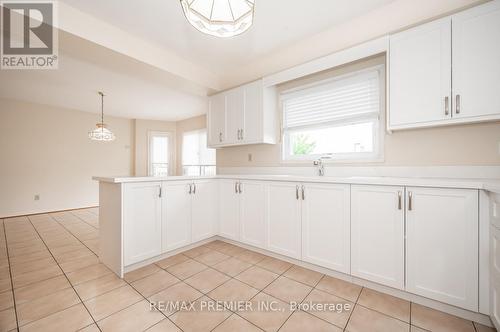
pixel 133 90
pixel 277 24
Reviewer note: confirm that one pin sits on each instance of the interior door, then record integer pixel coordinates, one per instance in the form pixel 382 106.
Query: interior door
pixel 420 75
pixel 377 234
pixel 229 209
pixel 142 219
pixel 235 110
pixel 326 221
pixel 284 219
pixel 252 213
pixel 177 215
pixel 217 119
pixel 442 245
pixel 204 209
pixel 476 65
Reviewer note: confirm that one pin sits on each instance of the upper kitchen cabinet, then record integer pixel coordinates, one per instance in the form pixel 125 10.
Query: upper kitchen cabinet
pixel 243 115
pixel 420 75
pixel 476 63
pixel 447 71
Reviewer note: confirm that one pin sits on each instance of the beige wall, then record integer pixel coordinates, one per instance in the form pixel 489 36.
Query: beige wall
pixel 463 145
pixel 45 150
pixel 199 122
pixel 142 127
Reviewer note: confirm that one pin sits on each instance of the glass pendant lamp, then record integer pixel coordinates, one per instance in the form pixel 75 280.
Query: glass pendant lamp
pixel 101 132
pixel 220 18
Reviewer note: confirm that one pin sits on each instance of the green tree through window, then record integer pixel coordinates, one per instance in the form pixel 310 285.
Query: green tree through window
pixel 302 145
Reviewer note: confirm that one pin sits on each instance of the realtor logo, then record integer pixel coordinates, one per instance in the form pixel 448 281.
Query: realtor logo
pixel 29 39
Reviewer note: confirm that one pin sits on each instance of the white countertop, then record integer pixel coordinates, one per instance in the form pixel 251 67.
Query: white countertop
pixel 485 184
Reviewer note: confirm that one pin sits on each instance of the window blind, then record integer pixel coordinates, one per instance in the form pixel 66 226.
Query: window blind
pixel 348 97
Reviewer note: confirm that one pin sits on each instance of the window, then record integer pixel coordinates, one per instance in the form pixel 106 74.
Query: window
pixel 337 119
pixel 160 152
pixel 197 158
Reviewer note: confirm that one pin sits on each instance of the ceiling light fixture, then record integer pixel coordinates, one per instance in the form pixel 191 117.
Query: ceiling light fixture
pixel 101 132
pixel 220 18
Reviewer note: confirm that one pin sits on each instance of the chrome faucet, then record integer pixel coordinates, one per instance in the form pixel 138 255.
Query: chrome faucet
pixel 321 168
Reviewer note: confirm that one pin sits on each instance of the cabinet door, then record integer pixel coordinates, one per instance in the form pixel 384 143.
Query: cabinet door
pixel 377 234
pixel 177 215
pixel 420 75
pixel 235 110
pixel 217 120
pixel 204 209
pixel 252 213
pixel 326 226
pixel 476 65
pixel 142 221
pixel 284 219
pixel 229 209
pixel 495 276
pixel 442 245
pixel 253 122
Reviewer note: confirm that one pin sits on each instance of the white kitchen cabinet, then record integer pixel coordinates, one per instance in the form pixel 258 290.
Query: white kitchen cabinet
pixel 420 75
pixel 442 245
pixel 142 221
pixel 495 276
pixel 446 71
pixel 326 225
pixel 216 118
pixel 476 65
pixel 235 114
pixel 229 209
pixel 252 213
pixel 243 115
pixel 204 209
pixel 284 219
pixel 177 215
pixel 377 234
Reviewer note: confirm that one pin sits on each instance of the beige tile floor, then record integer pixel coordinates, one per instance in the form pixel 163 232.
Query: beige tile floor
pixel 51 280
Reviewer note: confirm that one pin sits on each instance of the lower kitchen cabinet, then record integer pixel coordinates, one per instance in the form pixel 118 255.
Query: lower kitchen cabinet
pixel 377 234
pixel 177 214
pixel 204 210
pixel 326 225
pixel 142 221
pixel 495 275
pixel 229 207
pixel 442 245
pixel 252 213
pixel 284 219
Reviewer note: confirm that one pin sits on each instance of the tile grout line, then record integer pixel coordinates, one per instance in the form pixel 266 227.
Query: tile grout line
pixel 83 220
pixel 72 287
pixel 71 233
pixel 10 274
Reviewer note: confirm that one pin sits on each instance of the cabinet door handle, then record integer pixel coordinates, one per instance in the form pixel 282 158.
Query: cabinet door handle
pixel 457 104
pixel 238 135
pixel 220 136
pixel 159 194
pixel 399 200
pixel 236 187
pixel 190 189
pixel 239 187
pixel 303 193
pixel 241 133
pixel 297 192
pixel 446 105
pixel 194 188
pixel 410 201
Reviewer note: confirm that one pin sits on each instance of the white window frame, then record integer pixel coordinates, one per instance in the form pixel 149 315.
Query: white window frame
pixel 378 131
pixel 171 151
pixel 182 148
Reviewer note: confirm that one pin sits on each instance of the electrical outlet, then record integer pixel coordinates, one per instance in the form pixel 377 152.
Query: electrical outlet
pixel 37 197
pixel 249 157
